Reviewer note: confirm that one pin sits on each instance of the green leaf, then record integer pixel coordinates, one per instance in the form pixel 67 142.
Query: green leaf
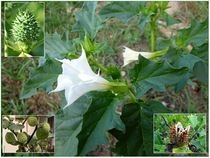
pixel 121 10
pixel 196 34
pixel 201 51
pixel 193 120
pixel 42 77
pixel 100 117
pixel 68 126
pixel 200 70
pixel 55 47
pixel 87 20
pixel 5 123
pixel 15 127
pixel 147 112
pixel 148 75
pixel 131 142
pixel 138 120
pixel 183 61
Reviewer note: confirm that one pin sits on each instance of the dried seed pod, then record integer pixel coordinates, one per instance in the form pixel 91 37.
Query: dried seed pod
pixel 179 135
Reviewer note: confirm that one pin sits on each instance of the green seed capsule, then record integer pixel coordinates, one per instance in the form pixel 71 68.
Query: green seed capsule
pixel 32 121
pixel 25 27
pixel 22 137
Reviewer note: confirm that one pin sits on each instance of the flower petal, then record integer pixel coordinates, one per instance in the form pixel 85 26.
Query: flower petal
pixel 69 71
pixel 63 81
pixel 82 65
pixel 73 93
pixel 129 56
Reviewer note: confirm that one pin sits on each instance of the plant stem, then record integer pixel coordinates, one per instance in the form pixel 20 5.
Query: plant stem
pixel 153 34
pixel 132 96
pixel 101 67
pixel 24 122
pixel 13 132
pixel 32 135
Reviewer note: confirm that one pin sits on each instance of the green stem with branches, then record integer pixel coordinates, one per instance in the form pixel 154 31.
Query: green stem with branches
pixel 153 33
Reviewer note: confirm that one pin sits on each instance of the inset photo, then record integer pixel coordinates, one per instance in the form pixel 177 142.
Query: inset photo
pixel 32 134
pixel 179 133
pixel 23 29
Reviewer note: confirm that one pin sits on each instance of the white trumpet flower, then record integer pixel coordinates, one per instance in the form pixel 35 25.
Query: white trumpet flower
pixel 78 78
pixel 130 55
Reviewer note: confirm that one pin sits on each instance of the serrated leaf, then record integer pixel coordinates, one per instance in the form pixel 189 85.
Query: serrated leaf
pixel 5 123
pixel 196 34
pixel 130 143
pixel 200 70
pixel 148 75
pixel 122 10
pixel 68 126
pixel 183 61
pixel 138 120
pixel 15 127
pixel 147 112
pixel 87 20
pixel 193 120
pixel 100 117
pixel 55 47
pixel 42 77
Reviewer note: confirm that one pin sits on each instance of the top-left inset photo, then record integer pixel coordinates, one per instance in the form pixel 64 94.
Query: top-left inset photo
pixel 23 29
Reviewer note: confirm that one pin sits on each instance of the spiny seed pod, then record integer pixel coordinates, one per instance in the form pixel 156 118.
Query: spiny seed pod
pixel 41 133
pixel 22 137
pixel 25 27
pixel 37 148
pixel 10 138
pixel 46 127
pixel 33 121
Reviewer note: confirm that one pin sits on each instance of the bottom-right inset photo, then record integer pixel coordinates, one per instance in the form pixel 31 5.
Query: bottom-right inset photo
pixel 179 133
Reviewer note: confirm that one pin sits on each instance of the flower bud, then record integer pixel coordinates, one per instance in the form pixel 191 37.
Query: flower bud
pixel 88 45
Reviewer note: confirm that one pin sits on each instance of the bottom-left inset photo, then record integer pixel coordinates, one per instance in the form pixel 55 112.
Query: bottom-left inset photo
pixel 24 133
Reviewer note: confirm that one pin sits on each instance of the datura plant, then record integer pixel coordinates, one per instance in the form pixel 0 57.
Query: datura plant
pixel 33 138
pixel 101 97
